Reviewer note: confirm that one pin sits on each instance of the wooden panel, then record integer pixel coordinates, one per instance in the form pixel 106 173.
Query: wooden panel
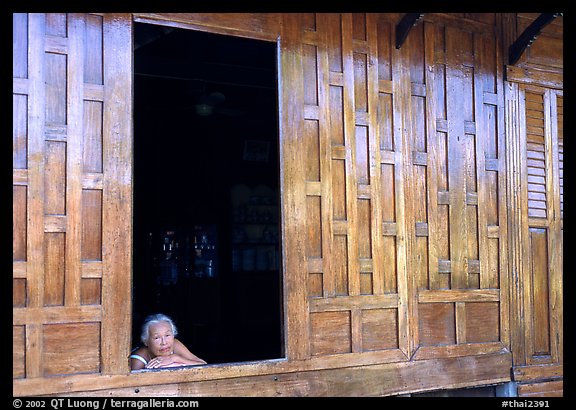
pixel 541 266
pixel 55 178
pixel 539 315
pixel 437 324
pixel 482 322
pixel 91 224
pixel 19 223
pixel 59 141
pixel 547 49
pixel 542 389
pixel 55 269
pixel 331 333
pixel 67 355
pixel 379 329
pixel 20 131
pixel 117 192
pixel 457 187
pixel 20 45
pixel 18 352
pixel 354 201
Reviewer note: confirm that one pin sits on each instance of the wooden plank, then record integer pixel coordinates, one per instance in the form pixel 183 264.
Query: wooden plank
pixel 291 130
pixel 534 76
pixel 483 197
pixel 35 200
pixel 354 302
pixel 403 205
pixel 432 157
pixel 459 295
pixel 75 93
pixel 522 283
pixel 349 114
pixel 263 377
pixel 373 85
pixel 542 389
pixel 459 350
pixel 540 372
pixel 263 26
pixel 55 314
pixel 556 232
pixel 117 193
pixel 455 97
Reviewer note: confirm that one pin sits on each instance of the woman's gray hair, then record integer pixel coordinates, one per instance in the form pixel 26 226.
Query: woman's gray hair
pixel 152 319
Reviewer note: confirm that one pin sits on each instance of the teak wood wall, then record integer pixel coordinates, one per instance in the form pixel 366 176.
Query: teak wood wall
pixel 421 202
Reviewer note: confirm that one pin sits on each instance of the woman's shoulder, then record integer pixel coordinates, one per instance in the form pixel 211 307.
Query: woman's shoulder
pixel 142 352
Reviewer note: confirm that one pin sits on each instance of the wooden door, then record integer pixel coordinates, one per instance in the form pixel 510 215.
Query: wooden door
pixel 538 234
pixel 406 245
pixel 72 143
pixel 457 189
pixel 355 252
pixel 543 171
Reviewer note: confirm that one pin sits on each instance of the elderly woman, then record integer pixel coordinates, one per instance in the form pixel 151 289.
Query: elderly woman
pixel 161 348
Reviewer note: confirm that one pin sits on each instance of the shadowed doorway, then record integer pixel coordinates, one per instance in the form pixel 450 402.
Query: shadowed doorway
pixel 206 191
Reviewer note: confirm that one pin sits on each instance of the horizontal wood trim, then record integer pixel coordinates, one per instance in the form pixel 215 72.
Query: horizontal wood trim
pixel 323 377
pixel 459 350
pixel 354 302
pixel 55 314
pixel 20 86
pixel 92 270
pixel 55 223
pixel 462 295
pixel 93 92
pixel 526 75
pixel 543 389
pixel 541 372
pixel 262 26
pixel 20 177
pixel 19 269
pixel 92 180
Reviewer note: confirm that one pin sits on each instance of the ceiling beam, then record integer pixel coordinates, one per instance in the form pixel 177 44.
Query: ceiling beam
pixel 404 27
pixel 529 35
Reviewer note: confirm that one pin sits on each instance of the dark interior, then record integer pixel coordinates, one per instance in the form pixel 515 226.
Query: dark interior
pixel 206 191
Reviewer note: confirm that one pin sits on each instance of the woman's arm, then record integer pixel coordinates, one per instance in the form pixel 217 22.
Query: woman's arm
pixel 184 356
pixel 180 357
pixel 138 359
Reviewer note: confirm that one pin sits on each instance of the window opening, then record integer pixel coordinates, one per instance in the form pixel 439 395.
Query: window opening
pixel 206 191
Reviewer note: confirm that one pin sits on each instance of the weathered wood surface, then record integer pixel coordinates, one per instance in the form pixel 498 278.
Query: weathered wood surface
pixel 420 228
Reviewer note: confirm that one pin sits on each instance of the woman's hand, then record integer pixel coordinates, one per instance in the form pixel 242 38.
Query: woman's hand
pixel 162 361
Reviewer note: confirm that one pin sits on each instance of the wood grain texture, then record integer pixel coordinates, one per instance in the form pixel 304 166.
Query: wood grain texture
pixel 421 197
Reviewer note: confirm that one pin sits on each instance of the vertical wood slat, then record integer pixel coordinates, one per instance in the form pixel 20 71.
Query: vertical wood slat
pixel 556 240
pixel 374 159
pixel 326 204
pixel 433 160
pixel 406 234
pixel 456 153
pixel 117 193
pixel 291 102
pixel 503 274
pixel 75 110
pixel 35 201
pixel 481 134
pixel 407 301
pixel 350 162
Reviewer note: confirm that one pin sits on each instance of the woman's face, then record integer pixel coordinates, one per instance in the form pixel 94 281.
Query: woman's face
pixel 160 339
